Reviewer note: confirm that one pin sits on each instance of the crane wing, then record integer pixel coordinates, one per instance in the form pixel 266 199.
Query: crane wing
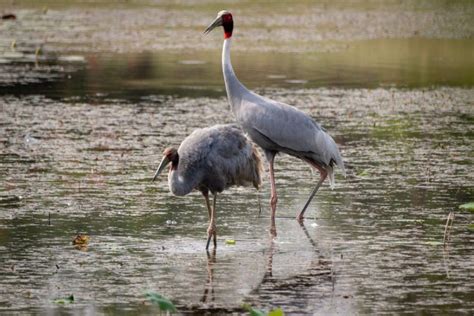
pixel 290 129
pixel 232 156
pixel 220 151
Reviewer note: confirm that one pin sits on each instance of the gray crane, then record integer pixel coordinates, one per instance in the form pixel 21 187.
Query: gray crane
pixel 211 160
pixel 275 126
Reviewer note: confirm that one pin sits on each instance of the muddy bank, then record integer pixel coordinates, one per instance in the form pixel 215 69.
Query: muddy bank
pixel 50 42
pixel 296 26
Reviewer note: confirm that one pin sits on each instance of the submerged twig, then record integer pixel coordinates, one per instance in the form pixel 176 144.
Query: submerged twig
pixel 447 228
pixel 37 53
pixel 446 261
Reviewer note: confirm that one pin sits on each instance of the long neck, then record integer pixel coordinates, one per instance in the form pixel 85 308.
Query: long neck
pixel 178 184
pixel 235 90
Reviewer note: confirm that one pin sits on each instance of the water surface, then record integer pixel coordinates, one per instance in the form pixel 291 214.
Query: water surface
pixel 374 244
pixel 84 121
pixel 403 63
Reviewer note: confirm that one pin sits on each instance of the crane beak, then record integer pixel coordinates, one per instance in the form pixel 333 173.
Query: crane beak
pixel 217 22
pixel 164 162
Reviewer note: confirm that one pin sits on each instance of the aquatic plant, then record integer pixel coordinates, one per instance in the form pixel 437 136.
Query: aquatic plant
pixel 257 312
pixel 163 303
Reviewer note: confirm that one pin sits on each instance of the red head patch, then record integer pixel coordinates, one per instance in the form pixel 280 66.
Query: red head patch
pixel 228 24
pixel 172 155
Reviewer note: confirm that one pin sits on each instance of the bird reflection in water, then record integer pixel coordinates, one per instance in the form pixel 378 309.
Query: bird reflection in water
pixel 211 260
pixel 319 273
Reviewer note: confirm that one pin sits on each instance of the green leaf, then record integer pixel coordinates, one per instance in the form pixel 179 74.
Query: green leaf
pixel 64 300
pixel 363 173
pixel 253 311
pixel 163 303
pixel 467 206
pixel 276 312
pixel 470 227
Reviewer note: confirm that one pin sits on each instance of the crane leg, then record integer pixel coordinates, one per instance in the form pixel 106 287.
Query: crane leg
pixel 324 174
pixel 208 204
pixel 274 197
pixel 211 230
pixel 213 220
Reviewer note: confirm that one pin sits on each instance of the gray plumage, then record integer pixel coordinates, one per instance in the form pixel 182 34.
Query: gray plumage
pixel 278 127
pixel 214 159
pixel 275 126
pixel 211 160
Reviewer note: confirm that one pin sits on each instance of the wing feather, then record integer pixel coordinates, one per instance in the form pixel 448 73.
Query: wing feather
pixel 289 128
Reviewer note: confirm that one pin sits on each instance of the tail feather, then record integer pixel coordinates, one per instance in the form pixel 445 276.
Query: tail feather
pixel 329 152
pixel 340 164
pixel 332 180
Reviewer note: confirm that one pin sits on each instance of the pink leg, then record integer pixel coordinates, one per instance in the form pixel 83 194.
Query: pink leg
pixel 211 230
pixel 274 198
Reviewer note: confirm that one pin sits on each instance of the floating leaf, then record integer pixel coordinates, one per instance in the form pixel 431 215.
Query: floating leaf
pixel 72 59
pixel 81 239
pixel 256 312
pixel 363 173
pixel 9 16
pixel 276 312
pixel 230 242
pixel 468 206
pixel 433 243
pixel 163 303
pixel 65 300
pixel 253 311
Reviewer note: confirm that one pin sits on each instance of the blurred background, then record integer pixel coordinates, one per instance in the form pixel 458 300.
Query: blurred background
pixel 139 47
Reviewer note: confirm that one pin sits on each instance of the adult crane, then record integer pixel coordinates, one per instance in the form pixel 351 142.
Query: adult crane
pixel 275 126
pixel 211 160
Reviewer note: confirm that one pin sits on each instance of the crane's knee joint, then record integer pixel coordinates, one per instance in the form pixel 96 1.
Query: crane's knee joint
pixel 273 200
pixel 212 229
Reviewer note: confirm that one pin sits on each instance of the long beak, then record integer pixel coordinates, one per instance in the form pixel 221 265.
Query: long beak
pixel 164 162
pixel 217 22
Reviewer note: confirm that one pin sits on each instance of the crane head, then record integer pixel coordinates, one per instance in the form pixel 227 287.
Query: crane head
pixel 169 155
pixel 224 19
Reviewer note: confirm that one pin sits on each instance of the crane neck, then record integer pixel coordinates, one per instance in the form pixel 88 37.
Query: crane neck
pixel 178 184
pixel 235 89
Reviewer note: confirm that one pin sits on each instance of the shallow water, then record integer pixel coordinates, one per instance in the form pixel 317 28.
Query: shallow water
pixel 402 63
pixel 372 245
pixel 82 132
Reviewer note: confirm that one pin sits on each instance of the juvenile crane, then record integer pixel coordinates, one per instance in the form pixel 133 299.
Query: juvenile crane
pixel 276 127
pixel 211 160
